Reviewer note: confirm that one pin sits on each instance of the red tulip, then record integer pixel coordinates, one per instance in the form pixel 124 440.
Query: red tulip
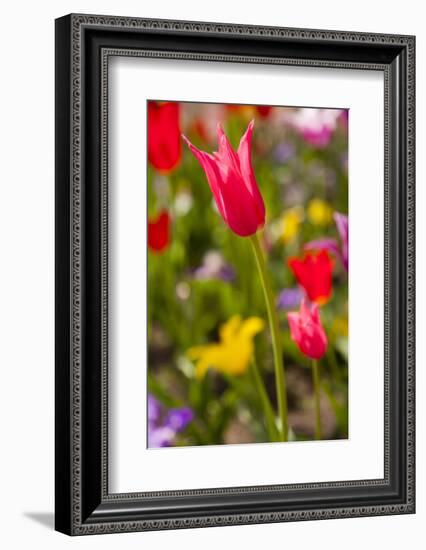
pixel 314 273
pixel 164 145
pixel 263 110
pixel 307 331
pixel 159 232
pixel 231 179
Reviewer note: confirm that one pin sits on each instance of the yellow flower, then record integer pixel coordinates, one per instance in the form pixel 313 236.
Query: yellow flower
pixel 320 212
pixel 233 353
pixel 340 327
pixel 290 223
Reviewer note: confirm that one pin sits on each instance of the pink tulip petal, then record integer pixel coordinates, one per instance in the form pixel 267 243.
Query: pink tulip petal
pixel 244 155
pixel 209 165
pixel 226 154
pixel 304 311
pixel 293 321
pixel 241 212
pixel 307 331
pixel 315 313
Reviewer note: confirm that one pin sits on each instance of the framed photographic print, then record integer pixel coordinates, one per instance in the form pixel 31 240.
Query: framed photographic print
pixel 234 274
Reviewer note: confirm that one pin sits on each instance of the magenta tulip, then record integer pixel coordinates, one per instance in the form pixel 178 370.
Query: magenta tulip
pixel 231 179
pixel 307 331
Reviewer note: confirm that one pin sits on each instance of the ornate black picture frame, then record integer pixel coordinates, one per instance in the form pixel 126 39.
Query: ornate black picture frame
pixel 83 45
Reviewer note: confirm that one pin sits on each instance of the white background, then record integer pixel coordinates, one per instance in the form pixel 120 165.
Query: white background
pixel 360 456
pixel 26 301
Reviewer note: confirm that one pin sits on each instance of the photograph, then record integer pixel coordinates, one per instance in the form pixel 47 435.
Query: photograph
pixel 248 267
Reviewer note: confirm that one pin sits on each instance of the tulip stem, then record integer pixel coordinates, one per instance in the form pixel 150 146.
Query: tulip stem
pixel 276 341
pixel 315 377
pixel 266 404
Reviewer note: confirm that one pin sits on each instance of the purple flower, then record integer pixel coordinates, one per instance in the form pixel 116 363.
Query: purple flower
pixel 160 436
pixel 178 419
pixel 289 298
pixel 283 152
pixel 342 224
pixel 154 409
pixel 214 267
pixel 342 251
pixel 163 424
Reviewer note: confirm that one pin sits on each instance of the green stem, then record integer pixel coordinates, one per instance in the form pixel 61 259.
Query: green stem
pixel 276 342
pixel 315 376
pixel 267 407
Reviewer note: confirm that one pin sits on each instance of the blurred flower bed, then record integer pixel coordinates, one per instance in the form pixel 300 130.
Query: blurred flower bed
pixel 213 373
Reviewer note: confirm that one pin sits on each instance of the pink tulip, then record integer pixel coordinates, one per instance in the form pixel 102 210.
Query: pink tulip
pixel 307 331
pixel 315 126
pixel 231 179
